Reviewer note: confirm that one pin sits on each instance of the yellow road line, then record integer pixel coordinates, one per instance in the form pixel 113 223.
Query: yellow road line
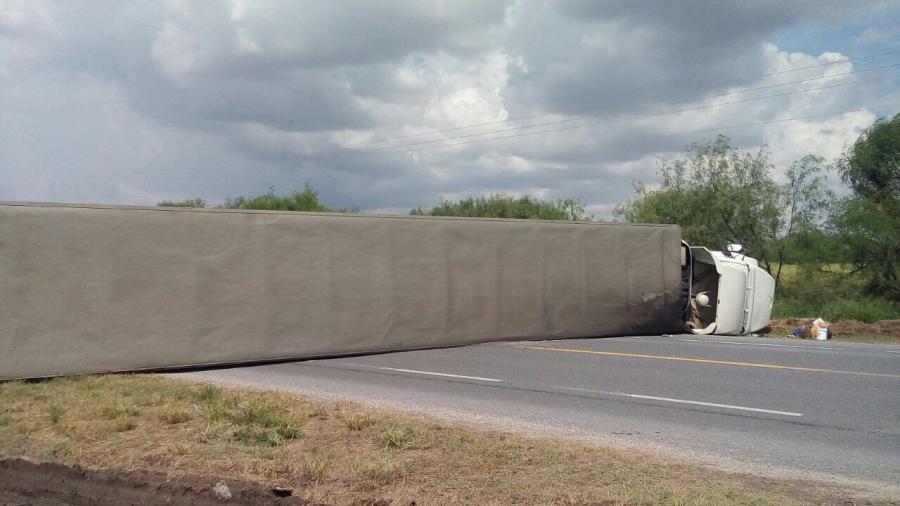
pixel 716 362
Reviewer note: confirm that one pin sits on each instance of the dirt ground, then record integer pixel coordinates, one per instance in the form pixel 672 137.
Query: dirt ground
pixel 43 484
pixel 884 330
pixel 26 482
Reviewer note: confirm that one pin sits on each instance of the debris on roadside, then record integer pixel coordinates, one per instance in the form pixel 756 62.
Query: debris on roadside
pixel 887 331
pixel 818 329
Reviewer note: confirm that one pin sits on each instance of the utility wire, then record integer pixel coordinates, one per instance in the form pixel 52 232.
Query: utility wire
pixel 835 62
pixel 442 143
pixel 583 145
pixel 572 120
pixel 534 116
pixel 585 123
pixel 669 134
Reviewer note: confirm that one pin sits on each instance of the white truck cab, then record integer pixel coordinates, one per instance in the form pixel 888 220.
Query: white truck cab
pixel 729 293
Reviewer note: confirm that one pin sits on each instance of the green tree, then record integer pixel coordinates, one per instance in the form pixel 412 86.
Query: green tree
pixel 182 203
pixel 869 220
pixel 506 206
pixel 307 200
pixel 805 200
pixel 720 194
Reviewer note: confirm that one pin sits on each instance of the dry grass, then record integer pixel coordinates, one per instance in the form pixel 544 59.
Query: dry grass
pixel 341 452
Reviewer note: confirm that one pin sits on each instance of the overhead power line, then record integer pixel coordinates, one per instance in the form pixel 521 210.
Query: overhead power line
pixel 401 147
pixel 834 62
pixel 534 116
pixel 584 122
pixel 583 145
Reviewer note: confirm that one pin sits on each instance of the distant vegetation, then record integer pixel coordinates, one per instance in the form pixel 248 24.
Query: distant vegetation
pixel 506 206
pixel 493 206
pixel 835 258
pixel 306 200
pixel 182 203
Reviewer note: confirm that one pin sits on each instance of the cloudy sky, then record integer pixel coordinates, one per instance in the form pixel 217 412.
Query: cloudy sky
pixel 386 105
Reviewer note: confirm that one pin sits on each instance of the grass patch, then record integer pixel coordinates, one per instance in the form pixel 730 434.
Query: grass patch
pixel 830 291
pixel 399 437
pixel 372 472
pixel 358 421
pixel 116 409
pixel 208 393
pixel 865 309
pixel 313 469
pixel 122 425
pixel 55 412
pixel 174 416
pixel 339 453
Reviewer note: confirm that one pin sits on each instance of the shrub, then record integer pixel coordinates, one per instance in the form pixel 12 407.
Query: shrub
pixel 505 206
pixel 307 200
pixel 182 203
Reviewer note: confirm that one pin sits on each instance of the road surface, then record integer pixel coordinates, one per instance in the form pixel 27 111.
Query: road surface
pixel 779 406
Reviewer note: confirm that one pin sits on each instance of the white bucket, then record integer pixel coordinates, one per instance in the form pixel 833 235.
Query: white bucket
pixel 822 334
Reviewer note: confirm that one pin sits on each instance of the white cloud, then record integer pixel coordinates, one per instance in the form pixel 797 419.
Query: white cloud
pixel 138 101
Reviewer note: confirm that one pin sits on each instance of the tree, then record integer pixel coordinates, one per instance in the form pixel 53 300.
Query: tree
pixel 182 203
pixel 506 206
pixel 871 167
pixel 719 194
pixel 805 200
pixel 869 220
pixel 716 193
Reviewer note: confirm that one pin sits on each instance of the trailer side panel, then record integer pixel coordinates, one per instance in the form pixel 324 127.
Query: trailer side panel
pixel 104 288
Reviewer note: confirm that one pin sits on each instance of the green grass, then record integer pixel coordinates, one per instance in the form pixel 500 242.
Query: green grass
pixel 862 308
pixel 830 291
pixel 399 437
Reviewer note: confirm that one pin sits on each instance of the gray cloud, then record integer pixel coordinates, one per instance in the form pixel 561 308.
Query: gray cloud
pixel 138 101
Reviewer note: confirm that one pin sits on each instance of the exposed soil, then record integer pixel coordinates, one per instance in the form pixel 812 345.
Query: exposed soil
pixel 24 482
pixel 887 330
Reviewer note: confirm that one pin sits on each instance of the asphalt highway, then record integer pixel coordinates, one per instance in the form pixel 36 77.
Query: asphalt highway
pixel 784 406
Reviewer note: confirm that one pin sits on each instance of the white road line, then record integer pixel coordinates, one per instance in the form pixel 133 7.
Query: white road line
pixel 685 401
pixel 442 374
pixel 758 344
pixel 711 404
pixel 889 351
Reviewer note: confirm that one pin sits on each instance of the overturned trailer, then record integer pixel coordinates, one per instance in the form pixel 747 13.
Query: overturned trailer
pixel 89 288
